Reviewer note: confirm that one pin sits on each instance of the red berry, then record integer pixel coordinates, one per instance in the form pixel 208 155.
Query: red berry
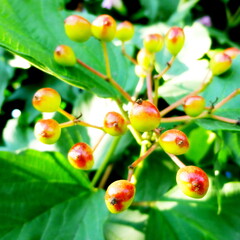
pixel 153 42
pixel 232 52
pixel 174 40
pixel 77 28
pixel 46 100
pixel 174 141
pixel 194 105
pixel 64 56
pixel 220 63
pixel 119 196
pixel 47 131
pixel 80 156
pixel 125 31
pixel 104 28
pixel 144 116
pixel 114 124
pixel 193 181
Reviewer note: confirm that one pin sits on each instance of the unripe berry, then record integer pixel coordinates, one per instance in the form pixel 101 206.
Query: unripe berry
pixel 174 40
pixel 174 141
pixel 104 28
pixel 125 31
pixel 114 124
pixel 153 42
pixel 139 71
pixel 220 63
pixel 144 116
pixel 145 59
pixel 232 52
pixel 80 156
pixel 193 181
pixel 47 131
pixel 119 196
pixel 46 100
pixel 77 28
pixel 64 56
pixel 194 105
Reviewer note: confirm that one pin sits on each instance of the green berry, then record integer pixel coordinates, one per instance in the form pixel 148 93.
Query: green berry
pixel 47 131
pixel 119 196
pixel 220 63
pixel 125 31
pixel 145 59
pixel 194 105
pixel 114 124
pixel 174 40
pixel 192 181
pixel 77 28
pixel 64 56
pixel 104 28
pixel 80 156
pixel 174 141
pixel 46 100
pixel 144 116
pixel 153 42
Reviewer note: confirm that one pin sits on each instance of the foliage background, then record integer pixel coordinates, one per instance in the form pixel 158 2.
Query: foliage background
pixel 42 197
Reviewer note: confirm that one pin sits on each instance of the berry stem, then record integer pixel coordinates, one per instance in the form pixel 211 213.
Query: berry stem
pixel 176 160
pixel 135 134
pixel 176 119
pixel 140 159
pixel 149 86
pixel 224 119
pixel 126 55
pixel 207 80
pixel 67 124
pixel 82 123
pixel 138 88
pixel 226 99
pixel 106 160
pixel 98 141
pixel 66 114
pixel 169 65
pixel 106 58
pixel 156 86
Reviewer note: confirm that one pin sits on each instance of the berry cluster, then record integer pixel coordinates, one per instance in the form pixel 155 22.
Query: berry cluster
pixel 142 116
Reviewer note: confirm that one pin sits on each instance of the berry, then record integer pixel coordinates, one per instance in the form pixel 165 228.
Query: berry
pixel 232 52
pixel 77 28
pixel 64 56
pixel 174 40
pixel 144 116
pixel 153 42
pixel 193 181
pixel 80 156
pixel 119 196
pixel 104 28
pixel 145 59
pixel 46 100
pixel 114 124
pixel 174 141
pixel 125 31
pixel 220 63
pixel 194 105
pixel 47 131
pixel 139 71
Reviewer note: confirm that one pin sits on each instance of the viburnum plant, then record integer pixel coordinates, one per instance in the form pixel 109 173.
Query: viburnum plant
pixel 137 115
pixel 132 133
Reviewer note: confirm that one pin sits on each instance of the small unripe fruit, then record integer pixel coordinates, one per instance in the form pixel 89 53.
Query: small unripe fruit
pixel 119 196
pixel 193 181
pixel 174 141
pixel 114 124
pixel 125 31
pixel 104 28
pixel 220 63
pixel 194 105
pixel 232 52
pixel 144 116
pixel 80 156
pixel 47 131
pixel 153 42
pixel 174 40
pixel 77 28
pixel 139 71
pixel 64 56
pixel 145 59
pixel 46 100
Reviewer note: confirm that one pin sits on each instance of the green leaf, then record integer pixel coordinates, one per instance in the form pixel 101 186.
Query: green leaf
pixel 35 36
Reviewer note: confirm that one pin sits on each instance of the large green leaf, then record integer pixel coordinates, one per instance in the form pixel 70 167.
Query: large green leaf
pixel 34 29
